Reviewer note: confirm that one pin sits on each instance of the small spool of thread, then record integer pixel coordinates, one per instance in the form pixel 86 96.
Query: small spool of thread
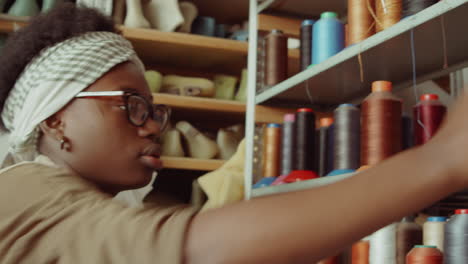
pixel 383 246
pixel 347 137
pixel 433 232
pixel 305 139
pixel 287 143
pixel 361 24
pixel 360 252
pixel 271 152
pixel 328 37
pixel 407 132
pixel 424 255
pixel 381 124
pixel 428 115
pixel 204 25
pixel 411 7
pixel 276 57
pixel 306 43
pixel 323 146
pixel 409 234
pixel 456 238
pixel 388 13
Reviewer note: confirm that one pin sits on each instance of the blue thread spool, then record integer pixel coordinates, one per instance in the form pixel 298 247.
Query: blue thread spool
pixel 204 26
pixel 327 38
pixel 221 31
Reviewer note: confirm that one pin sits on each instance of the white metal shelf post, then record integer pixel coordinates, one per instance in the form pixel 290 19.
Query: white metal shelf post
pixel 251 94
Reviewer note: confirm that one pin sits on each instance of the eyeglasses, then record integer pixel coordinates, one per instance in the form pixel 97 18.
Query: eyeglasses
pixel 138 108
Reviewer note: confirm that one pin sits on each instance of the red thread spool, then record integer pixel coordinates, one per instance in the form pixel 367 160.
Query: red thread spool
pixel 430 112
pixel 360 252
pixel 424 255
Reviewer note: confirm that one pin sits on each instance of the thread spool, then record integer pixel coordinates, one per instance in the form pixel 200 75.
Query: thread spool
pixel 276 57
pixel 381 124
pixel 433 232
pixel 383 246
pixel 428 115
pixel 407 132
pixel 306 43
pixel 330 146
pixel 204 25
pixel 411 7
pixel 305 139
pixel 409 234
pixel 327 37
pixel 323 145
pixel 347 137
pixel 271 152
pixel 361 24
pixel 287 143
pixel 424 255
pixel 360 252
pixel 388 13
pixel 456 238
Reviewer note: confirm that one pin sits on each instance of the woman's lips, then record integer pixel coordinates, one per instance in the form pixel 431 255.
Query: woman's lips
pixel 151 161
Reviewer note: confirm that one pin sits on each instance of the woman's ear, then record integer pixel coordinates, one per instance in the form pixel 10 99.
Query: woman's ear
pixel 52 126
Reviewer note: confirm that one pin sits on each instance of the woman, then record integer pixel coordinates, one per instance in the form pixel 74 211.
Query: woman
pixel 77 107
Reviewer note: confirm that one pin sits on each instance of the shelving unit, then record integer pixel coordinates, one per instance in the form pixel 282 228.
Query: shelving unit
pixel 385 55
pixel 439 43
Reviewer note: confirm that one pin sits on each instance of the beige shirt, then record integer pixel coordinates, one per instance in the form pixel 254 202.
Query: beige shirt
pixel 48 215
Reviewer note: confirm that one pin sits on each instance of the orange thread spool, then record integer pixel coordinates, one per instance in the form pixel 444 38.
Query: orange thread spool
pixel 360 252
pixel 361 24
pixel 271 152
pixel 388 13
pixel 330 260
pixel 424 255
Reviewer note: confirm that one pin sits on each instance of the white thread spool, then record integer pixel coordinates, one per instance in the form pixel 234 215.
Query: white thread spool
pixel 383 246
pixel 433 232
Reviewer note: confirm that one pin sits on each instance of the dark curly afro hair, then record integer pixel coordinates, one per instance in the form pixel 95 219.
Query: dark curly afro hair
pixel 45 30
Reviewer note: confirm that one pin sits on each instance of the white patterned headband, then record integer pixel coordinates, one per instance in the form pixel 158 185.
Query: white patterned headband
pixel 52 79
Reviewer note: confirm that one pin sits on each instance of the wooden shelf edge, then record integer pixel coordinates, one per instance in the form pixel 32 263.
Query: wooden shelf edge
pixel 184 39
pixel 191 164
pixel 199 103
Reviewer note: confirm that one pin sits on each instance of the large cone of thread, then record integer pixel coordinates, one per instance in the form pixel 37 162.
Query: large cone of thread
pixel 328 37
pixel 361 24
pixel 347 137
pixel 422 254
pixel 456 234
pixel 428 115
pixel 381 126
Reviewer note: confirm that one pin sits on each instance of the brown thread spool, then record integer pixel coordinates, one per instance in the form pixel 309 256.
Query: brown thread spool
pixel 360 252
pixel 271 153
pixel 276 57
pixel 361 24
pixel 388 13
pixel 424 255
pixel 381 124
pixel 409 234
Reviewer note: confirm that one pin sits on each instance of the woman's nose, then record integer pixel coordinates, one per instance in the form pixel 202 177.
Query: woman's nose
pixel 151 128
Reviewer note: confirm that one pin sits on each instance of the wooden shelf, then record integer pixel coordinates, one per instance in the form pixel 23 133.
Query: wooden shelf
pixel 191 164
pixel 303 8
pixel 385 56
pixel 225 109
pixel 188 50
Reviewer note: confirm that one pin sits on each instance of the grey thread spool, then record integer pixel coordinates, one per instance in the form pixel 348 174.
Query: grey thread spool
pixel 347 137
pixel 306 43
pixel 287 144
pixel 456 238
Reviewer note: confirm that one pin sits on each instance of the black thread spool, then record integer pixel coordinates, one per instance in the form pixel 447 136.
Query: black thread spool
pixel 276 57
pixel 407 132
pixel 323 145
pixel 287 144
pixel 411 7
pixel 306 43
pixel 456 238
pixel 305 139
pixel 347 137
